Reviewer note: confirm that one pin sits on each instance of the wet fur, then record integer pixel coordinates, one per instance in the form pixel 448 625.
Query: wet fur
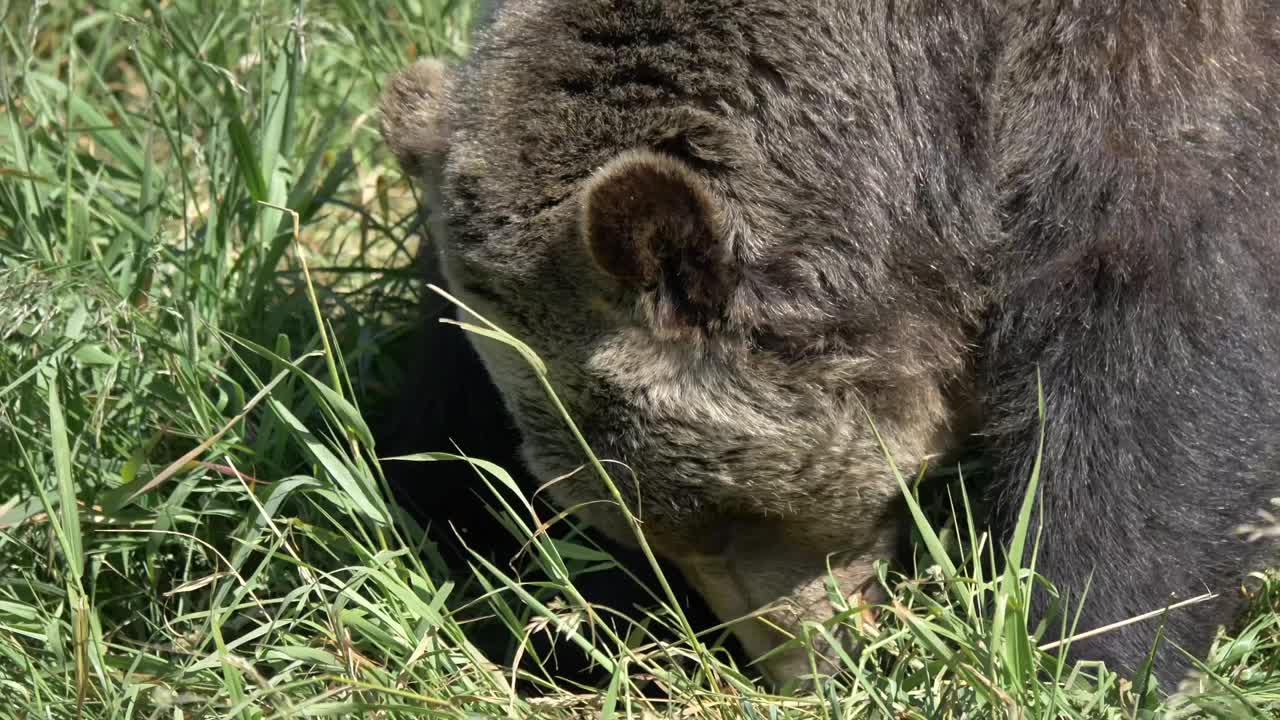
pixel 922 205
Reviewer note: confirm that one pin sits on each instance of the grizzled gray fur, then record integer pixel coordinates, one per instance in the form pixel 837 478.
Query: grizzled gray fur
pixel 737 230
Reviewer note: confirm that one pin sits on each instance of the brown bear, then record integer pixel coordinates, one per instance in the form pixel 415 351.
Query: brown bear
pixel 743 235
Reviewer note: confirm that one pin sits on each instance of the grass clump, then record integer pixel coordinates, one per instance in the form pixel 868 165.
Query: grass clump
pixel 204 257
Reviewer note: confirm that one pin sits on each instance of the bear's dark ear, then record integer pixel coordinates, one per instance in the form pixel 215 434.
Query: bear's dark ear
pixel 650 222
pixel 413 125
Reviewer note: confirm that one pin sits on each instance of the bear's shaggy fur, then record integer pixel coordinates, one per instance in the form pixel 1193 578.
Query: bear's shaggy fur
pixel 737 231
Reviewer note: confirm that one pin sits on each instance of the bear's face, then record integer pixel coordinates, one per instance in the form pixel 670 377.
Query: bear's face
pixel 722 306
pixel 749 457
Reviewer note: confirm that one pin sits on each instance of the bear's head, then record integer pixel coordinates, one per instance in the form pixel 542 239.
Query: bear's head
pixel 723 316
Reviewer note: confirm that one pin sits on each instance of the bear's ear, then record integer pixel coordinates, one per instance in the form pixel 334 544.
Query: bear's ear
pixel 650 222
pixel 413 111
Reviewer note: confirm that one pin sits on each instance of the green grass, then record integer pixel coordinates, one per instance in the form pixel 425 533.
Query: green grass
pixel 192 513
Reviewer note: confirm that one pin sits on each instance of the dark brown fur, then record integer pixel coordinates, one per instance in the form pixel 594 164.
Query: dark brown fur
pixel 909 200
